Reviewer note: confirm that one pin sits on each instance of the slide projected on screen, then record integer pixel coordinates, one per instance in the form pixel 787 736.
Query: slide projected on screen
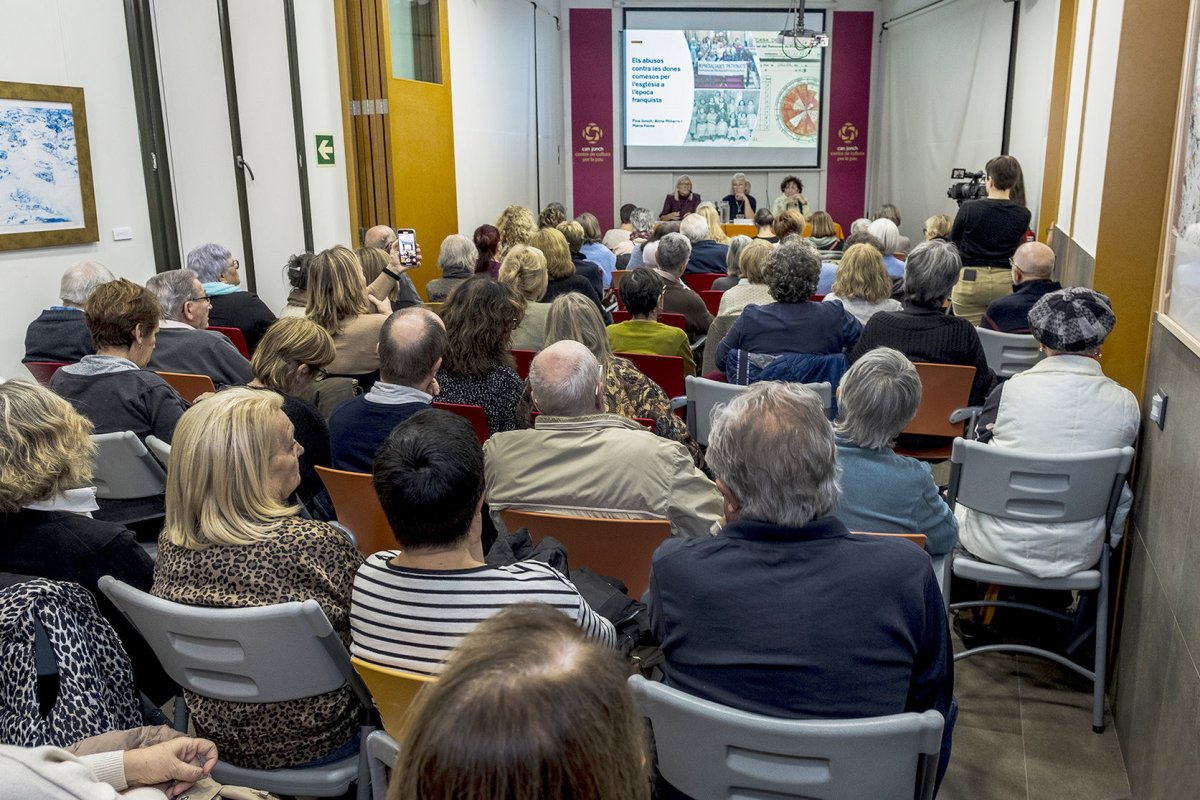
pixel 720 98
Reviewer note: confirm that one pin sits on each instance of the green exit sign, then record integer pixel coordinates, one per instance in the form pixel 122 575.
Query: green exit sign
pixel 325 151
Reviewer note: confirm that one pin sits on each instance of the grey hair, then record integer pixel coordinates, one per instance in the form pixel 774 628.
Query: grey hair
pixel 457 257
pixel 877 398
pixel 80 280
pixel 742 177
pixel 792 271
pixel 887 233
pixel 650 254
pixel 173 289
pixel 860 225
pixel 570 387
pixel 674 250
pixel 772 446
pixel 736 245
pixel 931 272
pixel 208 261
pixel 695 228
pixel 642 219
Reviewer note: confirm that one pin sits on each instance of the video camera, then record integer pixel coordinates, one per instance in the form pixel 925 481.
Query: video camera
pixel 971 188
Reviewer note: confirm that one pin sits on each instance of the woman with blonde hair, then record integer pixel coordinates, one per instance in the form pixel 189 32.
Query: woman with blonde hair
pixel 861 283
pixel 681 202
pixel 742 204
pixel 524 271
pixel 561 267
pixel 231 539
pixel 938 228
pixel 289 360
pixel 516 224
pixel 752 287
pixel 709 212
pixel 823 234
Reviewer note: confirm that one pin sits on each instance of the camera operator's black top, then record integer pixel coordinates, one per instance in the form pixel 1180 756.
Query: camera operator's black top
pixel 988 232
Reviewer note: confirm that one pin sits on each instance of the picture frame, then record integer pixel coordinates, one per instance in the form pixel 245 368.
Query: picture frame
pixel 46 193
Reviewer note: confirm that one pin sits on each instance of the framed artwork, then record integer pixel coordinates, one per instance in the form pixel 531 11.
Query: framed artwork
pixel 46 193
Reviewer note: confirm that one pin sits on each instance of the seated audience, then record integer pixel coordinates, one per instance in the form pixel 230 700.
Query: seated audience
pixel 861 284
pixel 297 275
pixel 1062 404
pixel 231 540
pixel 183 344
pixel 1032 266
pixel 580 461
pixel 384 237
pixel 882 492
pixel 592 249
pixel 524 272
pixel 525 675
pixel 706 255
pixel 793 323
pixel 412 605
pixel 752 287
pixel 785 612
pixel 617 239
pixel 373 261
pixel 889 211
pixel 642 293
pixel 860 225
pixel 921 330
pixel 411 344
pixel 487 244
pixel 572 231
pixel 60 333
pixel 829 270
pixel 764 220
pixel 937 227
pixel 823 235
pixel 789 223
pixel 641 223
pixel 232 306
pixel 732 270
pixel 637 257
pixel 516 225
pixel 553 215
pixel 792 198
pixel 478 367
pixel 113 388
pixel 888 235
pixel 671 257
pixel 289 359
pixel 46 457
pixel 456 260
pixel 742 204
pixel 715 229
pixel 681 202
pixel 561 269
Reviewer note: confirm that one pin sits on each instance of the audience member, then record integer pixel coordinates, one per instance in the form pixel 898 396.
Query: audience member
pixel 823 234
pixel 860 225
pixel 882 492
pixel 592 249
pixel 732 269
pixel 792 198
pixel 715 229
pixel 988 232
pixel 373 261
pixel 889 211
pixel 561 269
pixel 671 257
pixel 641 222
pixel 524 272
pixel 752 287
pixel 525 676
pixel 785 612
pixel 384 237
pixel 456 260
pixel 1062 404
pixel 742 204
pixel 232 306
pixel 617 239
pixel 553 215
pixel 289 359
pixel 296 270
pixel 937 227
pixel 411 344
pixel 764 220
pixel 429 476
pixel 572 231
pixel 487 244
pixel 888 236
pixel 789 223
pixel 637 257
pixel 681 202
pixel 113 388
pixel 45 458
pixel 60 333
pixel 706 255
pixel 1032 266
pixel 642 293
pixel 861 283
pixel 230 540
pixel 516 225
pixel 183 344
pixel 580 461
pixel 478 367
pixel 793 323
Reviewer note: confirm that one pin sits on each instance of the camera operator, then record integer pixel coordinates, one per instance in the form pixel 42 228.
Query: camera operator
pixel 988 231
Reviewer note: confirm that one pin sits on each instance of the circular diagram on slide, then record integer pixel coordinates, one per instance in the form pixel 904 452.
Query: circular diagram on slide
pixel 799 108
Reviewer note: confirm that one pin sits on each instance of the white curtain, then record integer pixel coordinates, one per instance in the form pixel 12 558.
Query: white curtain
pixel 943 76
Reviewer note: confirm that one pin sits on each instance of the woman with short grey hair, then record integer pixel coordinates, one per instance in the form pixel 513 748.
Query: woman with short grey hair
pixel 883 492
pixel 232 305
pixel 457 263
pixel 732 274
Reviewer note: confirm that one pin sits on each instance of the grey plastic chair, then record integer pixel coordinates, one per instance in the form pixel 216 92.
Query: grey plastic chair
pixel 124 469
pixel 266 654
pixel 382 752
pixel 160 449
pixel 712 752
pixel 1009 353
pixel 1040 488
pixel 703 395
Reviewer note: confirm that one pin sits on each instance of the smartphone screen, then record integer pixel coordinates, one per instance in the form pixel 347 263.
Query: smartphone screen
pixel 408 245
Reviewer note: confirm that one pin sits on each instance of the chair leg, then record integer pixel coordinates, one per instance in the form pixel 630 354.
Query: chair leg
pixel 181 714
pixel 364 786
pixel 1101 647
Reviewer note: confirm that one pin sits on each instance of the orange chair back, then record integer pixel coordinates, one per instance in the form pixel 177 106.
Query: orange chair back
pixel 666 371
pixel 702 281
pixel 472 414
pixel 712 300
pixel 358 509
pixel 618 548
pixel 393 691
pixel 617 276
pixel 189 386
pixel 234 335
pixel 916 538
pixel 523 358
pixel 43 371
pixel 666 318
pixel 944 388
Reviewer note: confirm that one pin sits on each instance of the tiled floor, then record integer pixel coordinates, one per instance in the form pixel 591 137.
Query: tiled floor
pixel 1024 731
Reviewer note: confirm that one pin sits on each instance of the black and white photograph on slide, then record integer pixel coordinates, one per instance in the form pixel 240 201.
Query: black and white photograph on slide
pixel 724 117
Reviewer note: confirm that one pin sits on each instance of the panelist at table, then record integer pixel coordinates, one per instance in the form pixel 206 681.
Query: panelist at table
pixel 681 202
pixel 742 204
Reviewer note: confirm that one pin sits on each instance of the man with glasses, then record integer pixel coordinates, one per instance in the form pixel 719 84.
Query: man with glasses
pixel 184 344
pixel 1032 266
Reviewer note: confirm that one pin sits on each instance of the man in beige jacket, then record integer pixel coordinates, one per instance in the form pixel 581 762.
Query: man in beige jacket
pixel 582 462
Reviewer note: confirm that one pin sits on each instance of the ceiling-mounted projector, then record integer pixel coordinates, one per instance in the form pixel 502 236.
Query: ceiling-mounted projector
pixel 804 39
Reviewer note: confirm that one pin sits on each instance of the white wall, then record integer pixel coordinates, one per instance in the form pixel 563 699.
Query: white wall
pixel 1032 85
pixel 76 43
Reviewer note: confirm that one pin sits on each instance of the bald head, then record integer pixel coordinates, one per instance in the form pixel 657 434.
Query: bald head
pixel 411 344
pixel 565 380
pixel 380 236
pixel 1035 261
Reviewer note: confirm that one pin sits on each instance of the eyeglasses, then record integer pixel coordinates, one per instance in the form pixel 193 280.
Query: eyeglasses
pixel 202 298
pixel 233 264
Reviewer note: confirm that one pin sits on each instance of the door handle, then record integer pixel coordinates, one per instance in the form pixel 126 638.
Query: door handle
pixel 242 164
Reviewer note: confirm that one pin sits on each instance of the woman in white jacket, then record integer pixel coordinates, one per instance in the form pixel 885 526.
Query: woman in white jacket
pixel 1063 404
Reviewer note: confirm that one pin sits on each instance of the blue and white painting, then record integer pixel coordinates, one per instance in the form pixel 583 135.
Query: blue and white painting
pixel 39 167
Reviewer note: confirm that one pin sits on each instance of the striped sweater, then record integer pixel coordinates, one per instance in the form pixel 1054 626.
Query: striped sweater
pixel 411 619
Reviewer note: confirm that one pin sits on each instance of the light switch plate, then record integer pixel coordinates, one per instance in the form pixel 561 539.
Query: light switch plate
pixel 1158 408
pixel 122 234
